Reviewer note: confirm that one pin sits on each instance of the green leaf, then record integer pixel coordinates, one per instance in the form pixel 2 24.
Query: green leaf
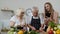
pixel 52 24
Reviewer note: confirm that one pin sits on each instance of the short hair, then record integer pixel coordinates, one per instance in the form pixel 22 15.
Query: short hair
pixel 35 8
pixel 18 11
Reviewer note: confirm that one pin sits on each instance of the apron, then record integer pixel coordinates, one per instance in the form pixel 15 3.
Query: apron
pixel 36 23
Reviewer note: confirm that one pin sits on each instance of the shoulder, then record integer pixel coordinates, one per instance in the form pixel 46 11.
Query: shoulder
pixel 55 12
pixel 13 18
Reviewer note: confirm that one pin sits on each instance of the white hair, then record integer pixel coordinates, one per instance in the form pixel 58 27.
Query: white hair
pixel 35 8
pixel 18 11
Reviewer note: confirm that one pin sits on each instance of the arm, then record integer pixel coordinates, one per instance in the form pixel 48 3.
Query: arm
pixel 12 21
pixel 45 20
pixel 33 28
pixel 55 17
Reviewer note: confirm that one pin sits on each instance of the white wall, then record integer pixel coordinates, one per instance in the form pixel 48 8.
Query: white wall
pixel 15 4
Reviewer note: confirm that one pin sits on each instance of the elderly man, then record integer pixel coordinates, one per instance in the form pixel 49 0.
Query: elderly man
pixel 35 22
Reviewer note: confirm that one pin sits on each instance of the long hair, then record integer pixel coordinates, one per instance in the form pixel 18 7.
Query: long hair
pixel 51 8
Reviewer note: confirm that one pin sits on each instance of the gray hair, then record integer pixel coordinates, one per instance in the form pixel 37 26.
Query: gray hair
pixel 35 8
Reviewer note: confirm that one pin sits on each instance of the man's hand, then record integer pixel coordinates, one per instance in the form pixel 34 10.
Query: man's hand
pixel 33 28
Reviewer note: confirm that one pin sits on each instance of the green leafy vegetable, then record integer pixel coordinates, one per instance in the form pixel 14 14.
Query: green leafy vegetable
pixel 52 24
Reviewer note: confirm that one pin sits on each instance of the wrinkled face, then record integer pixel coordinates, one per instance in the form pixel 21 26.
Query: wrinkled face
pixel 35 13
pixel 47 7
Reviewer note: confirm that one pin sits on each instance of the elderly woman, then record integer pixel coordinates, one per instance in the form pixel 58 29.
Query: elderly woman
pixel 18 19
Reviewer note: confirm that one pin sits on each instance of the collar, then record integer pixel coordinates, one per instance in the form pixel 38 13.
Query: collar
pixel 35 17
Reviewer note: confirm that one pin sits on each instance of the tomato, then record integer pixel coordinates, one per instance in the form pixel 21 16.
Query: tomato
pixel 50 32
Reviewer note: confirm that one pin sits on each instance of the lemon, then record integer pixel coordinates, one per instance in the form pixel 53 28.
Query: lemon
pixel 58 32
pixel 20 32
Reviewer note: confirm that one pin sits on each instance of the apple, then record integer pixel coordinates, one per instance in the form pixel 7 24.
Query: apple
pixel 50 32
pixel 55 28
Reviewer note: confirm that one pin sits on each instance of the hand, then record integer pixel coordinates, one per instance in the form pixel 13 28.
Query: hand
pixel 41 29
pixel 50 19
pixel 33 28
pixel 42 25
pixel 37 31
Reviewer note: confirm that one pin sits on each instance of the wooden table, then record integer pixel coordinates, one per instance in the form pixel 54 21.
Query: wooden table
pixel 43 32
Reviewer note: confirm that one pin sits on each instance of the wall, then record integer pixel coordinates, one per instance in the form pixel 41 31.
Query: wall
pixel 15 4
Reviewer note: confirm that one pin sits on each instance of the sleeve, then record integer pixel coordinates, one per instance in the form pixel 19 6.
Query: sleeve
pixel 12 19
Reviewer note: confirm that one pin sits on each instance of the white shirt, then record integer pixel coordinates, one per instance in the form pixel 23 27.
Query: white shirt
pixel 17 22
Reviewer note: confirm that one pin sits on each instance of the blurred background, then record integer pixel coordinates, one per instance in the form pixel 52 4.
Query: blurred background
pixel 13 5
